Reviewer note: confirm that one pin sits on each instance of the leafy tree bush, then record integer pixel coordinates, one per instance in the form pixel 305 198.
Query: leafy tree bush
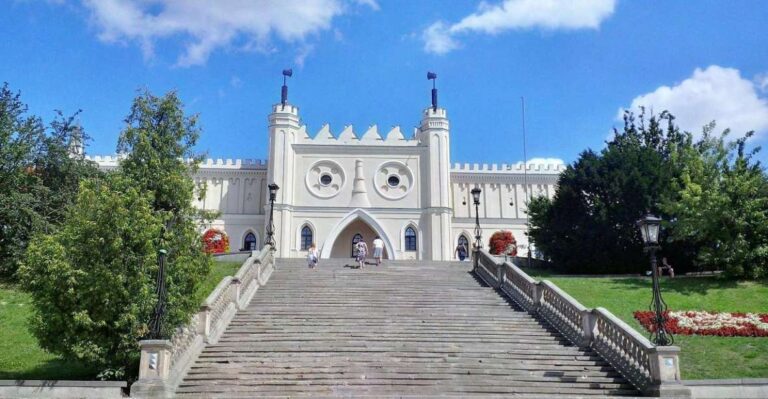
pixel 722 206
pixel 589 225
pixel 712 196
pixel 503 242
pixel 39 176
pixel 93 282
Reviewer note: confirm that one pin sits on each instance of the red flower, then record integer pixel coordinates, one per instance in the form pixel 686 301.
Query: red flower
pixel 737 324
pixel 215 241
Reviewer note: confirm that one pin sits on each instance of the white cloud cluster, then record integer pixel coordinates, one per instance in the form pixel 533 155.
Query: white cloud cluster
pixel 714 93
pixel 209 25
pixel 544 161
pixel 439 38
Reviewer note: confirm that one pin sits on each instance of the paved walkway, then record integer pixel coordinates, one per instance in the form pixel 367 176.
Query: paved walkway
pixel 402 329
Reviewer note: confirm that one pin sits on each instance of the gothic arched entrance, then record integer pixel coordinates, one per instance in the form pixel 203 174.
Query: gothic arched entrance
pixel 339 241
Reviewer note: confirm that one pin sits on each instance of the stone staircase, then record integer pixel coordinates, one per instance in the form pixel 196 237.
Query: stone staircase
pixel 403 329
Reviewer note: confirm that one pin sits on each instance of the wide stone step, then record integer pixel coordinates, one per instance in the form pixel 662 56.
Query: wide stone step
pixel 405 328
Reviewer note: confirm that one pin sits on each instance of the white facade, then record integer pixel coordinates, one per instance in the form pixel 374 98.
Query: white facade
pixel 371 185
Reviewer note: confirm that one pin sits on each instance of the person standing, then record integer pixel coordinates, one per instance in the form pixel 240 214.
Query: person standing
pixel 461 251
pixel 312 256
pixel 378 249
pixel 362 251
pixel 666 266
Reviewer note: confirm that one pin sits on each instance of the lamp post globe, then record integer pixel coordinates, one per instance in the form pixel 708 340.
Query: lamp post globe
pixel 649 226
pixel 271 223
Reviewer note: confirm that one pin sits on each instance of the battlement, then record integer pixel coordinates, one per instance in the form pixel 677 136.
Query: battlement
pixel 111 161
pixel 549 168
pixel 348 136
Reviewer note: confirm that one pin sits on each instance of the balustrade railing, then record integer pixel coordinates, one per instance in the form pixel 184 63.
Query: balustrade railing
pixel 165 362
pixel 655 371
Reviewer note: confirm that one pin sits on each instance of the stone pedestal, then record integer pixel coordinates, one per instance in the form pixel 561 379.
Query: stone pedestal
pixel 154 370
pixel 665 374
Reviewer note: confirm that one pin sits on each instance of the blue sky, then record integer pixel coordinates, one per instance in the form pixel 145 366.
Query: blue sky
pixel 364 62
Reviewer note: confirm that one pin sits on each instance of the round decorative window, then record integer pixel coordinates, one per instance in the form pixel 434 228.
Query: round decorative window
pixel 393 181
pixel 326 179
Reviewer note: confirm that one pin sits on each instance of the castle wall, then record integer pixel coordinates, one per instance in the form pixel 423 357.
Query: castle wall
pixel 377 183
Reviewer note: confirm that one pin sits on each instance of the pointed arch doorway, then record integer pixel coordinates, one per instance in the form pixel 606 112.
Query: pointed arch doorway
pixel 353 226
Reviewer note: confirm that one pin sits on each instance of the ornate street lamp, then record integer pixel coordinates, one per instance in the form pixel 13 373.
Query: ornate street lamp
pixel 155 324
pixel 649 227
pixel 271 225
pixel 478 231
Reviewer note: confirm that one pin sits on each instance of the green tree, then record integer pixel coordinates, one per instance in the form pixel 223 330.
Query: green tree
pixel 589 225
pixel 39 177
pixel 721 206
pixel 158 143
pixel 92 281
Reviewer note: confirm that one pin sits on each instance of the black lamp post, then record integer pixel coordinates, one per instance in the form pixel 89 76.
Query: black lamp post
pixel 155 324
pixel 271 225
pixel 478 231
pixel 649 229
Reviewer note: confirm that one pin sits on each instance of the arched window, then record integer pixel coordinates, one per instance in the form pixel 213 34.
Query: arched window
pixel 306 237
pixel 355 239
pixel 410 239
pixel 249 243
pixel 463 240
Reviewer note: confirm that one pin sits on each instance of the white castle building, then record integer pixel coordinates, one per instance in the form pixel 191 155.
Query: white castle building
pixel 335 190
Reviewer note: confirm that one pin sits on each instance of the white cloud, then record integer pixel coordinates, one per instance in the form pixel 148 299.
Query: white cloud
pixel 519 14
pixel 438 40
pixel 761 81
pixel 544 161
pixel 714 93
pixel 206 25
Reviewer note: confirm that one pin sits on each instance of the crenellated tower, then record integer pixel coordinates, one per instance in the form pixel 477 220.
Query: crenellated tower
pixel 284 128
pixel 433 133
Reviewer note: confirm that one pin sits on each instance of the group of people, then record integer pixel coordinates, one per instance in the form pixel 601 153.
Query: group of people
pixel 360 251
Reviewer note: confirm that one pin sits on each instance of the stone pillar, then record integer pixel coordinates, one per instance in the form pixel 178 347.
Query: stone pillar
pixel 665 374
pixel 154 370
pixel 588 321
pixel 359 193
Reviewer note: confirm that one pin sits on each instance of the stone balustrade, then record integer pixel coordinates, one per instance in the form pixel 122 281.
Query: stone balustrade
pixel 164 363
pixel 654 370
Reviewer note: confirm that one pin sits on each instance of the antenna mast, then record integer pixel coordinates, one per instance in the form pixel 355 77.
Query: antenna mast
pixel 525 182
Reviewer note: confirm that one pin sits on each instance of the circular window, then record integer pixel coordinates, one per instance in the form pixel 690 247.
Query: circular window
pixel 393 181
pixel 326 179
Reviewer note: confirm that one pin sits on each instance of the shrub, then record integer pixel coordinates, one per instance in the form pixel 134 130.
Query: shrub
pixel 503 242
pixel 215 241
pixel 92 282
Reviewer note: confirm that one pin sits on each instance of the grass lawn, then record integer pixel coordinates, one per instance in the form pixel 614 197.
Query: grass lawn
pixel 702 356
pixel 21 358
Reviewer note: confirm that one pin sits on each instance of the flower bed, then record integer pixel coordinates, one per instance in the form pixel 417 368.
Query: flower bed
pixel 709 323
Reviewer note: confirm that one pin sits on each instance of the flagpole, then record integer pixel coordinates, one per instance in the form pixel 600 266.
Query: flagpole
pixel 525 182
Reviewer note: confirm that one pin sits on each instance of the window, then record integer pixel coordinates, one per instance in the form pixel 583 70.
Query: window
pixel 393 181
pixel 326 179
pixel 306 238
pixel 410 239
pixel 463 240
pixel 249 244
pixel 357 238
